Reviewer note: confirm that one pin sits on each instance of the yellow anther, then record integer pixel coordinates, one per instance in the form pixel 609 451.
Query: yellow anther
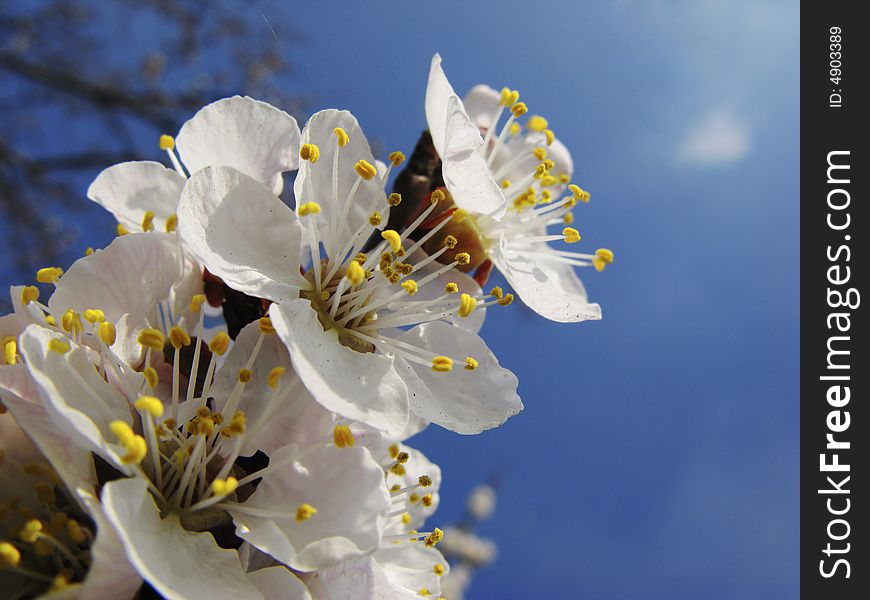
pixel 167 142
pixel 497 292
pixel 361 258
pixel 122 431
pixel 309 208
pixel 394 199
pixel 450 241
pixel 324 295
pixel 309 152
pixel 106 331
pixel 94 315
pixel 29 294
pixel 564 178
pixel 463 258
pixel 178 337
pixel 459 215
pixel 89 251
pixel 75 531
pixel 442 364
pixel 245 375
pixel 10 352
pixel 568 218
pixel 438 569
pixel 223 487
pixel 451 287
pixel 507 300
pixel 437 196
pixel 31 530
pixel 572 236
pixel 49 274
pixel 424 591
pixel 578 193
pixel 219 343
pixel 171 223
pixel 549 164
pixel 546 196
pixel 151 338
pixel 204 426
pixel 341 137
pixel 10 556
pixel 605 255
pixel 551 137
pixel 397 158
pixel 375 219
pixel 537 123
pixel 355 273
pixel 134 444
pixel 58 345
pixel 343 437
pixel 505 184
pixel 275 377
pixel 120 229
pixel 514 129
pixel 393 450
pixel 505 99
pixel 50 320
pixel 406 518
pixel 539 153
pixel 71 321
pixel 466 305
pixel 305 512
pixel 153 406
pixel 393 238
pixel 266 326
pixel 196 302
pixel 148 220
pixel 365 169
pixel 519 109
pixel 433 538
pixel 403 457
pixel 424 481
pixel 151 378
pixel 426 500
pixel 470 364
pixel 410 286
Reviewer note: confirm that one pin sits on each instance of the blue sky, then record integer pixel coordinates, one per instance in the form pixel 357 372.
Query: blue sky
pixel 658 453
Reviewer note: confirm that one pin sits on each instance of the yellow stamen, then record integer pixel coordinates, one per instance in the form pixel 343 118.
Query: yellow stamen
pixel 433 538
pixel 519 109
pixel 245 375
pixel 375 219
pixel 219 343
pixel 438 569
pixel 148 220
pixel 75 531
pixel 442 364
pixel 341 137
pixel 151 338
pixel 365 169
pixel 507 300
pixel 58 345
pixel 470 364
pixel 49 274
pixel 224 487
pixel 94 315
pixel 50 320
pixel 134 444
pixel 426 500
pixel 196 302
pixel 437 196
pixel 572 236
pixel 343 437
pixel 578 193
pixel 171 223
pixel 309 152
pixel 466 305
pixel 178 337
pixel 275 376
pixel 309 208
pixel 150 404
pixel 514 129
pixel 537 123
pixel 539 153
pixel 120 229
pixel 424 481
pixel 266 327
pixel 305 512
pixel 568 218
pixel 29 294
pixel 459 215
pixel 397 158
pixel 451 287
pixel 497 292
pixel 10 352
pixel 505 184
pixel 605 255
pixel 410 286
pixel 393 450
pixel 9 555
pixel 167 142
pixel 151 378
pixel 551 137
pixel 393 238
pixel 463 258
pixel 394 199
pixel 355 273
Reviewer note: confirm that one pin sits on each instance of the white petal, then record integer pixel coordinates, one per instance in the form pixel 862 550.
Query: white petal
pixel 177 563
pixel 110 575
pixel 128 190
pixel 272 421
pixel 254 137
pixel 241 232
pixel 314 181
pixel 459 145
pixel 279 583
pixel 463 401
pixel 361 386
pixel 344 485
pixel 481 103
pixel 20 395
pixel 360 579
pixel 548 287
pixel 81 403
pixel 411 567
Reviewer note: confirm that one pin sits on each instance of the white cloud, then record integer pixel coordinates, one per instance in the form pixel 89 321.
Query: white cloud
pixel 719 139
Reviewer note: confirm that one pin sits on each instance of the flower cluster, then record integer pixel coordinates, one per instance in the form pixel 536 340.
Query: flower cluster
pixel 144 440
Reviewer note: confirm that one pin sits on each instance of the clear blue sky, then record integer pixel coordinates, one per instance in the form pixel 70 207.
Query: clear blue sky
pixel 658 453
